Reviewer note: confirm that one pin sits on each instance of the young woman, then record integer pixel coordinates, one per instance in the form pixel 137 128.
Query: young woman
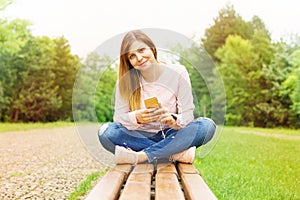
pixel 167 129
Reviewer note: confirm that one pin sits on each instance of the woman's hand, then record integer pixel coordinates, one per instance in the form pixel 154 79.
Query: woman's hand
pixel 164 116
pixel 160 114
pixel 146 115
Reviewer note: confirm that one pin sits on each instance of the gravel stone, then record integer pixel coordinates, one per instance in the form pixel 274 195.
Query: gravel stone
pixel 44 163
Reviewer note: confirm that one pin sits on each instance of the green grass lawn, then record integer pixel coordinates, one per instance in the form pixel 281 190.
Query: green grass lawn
pixel 248 166
pixel 241 165
pixel 85 186
pixel 6 127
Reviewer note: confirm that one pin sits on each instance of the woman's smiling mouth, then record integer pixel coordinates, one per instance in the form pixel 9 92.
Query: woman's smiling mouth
pixel 143 63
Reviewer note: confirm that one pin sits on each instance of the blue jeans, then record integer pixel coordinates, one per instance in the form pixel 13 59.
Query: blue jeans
pixel 196 133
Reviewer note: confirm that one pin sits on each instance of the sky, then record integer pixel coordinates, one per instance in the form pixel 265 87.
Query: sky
pixel 86 24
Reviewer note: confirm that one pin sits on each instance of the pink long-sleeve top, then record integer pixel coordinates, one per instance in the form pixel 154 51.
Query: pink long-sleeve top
pixel 173 91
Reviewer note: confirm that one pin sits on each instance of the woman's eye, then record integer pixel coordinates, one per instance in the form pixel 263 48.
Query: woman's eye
pixel 131 57
pixel 141 50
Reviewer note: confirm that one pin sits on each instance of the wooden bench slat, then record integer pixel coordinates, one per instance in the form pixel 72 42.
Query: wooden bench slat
pixel 138 182
pixel 195 187
pixel 167 187
pixel 166 168
pixel 109 186
pixel 137 187
pixel 123 168
pixel 170 183
pixel 184 168
pixel 143 168
pixel 193 184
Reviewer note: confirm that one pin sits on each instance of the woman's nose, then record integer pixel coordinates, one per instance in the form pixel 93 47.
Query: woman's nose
pixel 139 57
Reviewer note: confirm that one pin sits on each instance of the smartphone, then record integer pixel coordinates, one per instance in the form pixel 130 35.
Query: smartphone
pixel 151 102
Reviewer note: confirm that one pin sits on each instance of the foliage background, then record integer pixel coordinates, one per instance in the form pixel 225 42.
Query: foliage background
pixel 262 77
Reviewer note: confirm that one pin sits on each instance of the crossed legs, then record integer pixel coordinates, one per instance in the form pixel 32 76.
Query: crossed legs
pixel 141 146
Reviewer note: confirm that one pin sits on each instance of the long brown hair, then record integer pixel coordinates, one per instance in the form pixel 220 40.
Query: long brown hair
pixel 129 83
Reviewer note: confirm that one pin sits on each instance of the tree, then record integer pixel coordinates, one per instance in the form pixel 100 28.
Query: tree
pixel 93 90
pixel 104 97
pixel 14 37
pixel 295 95
pixel 37 95
pixel 207 86
pixel 237 58
pixel 256 72
pixel 291 88
pixel 257 25
pixel 38 78
pixel 64 68
pixel 227 23
pixel 194 59
pixel 4 101
pixel 36 74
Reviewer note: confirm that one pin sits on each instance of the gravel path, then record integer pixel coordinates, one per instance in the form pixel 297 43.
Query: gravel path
pixel 44 164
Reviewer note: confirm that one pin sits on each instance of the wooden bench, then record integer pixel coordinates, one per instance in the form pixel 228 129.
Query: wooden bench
pixel 165 181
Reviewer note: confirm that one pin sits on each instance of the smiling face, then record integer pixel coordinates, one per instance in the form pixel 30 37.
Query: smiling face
pixel 140 55
pixel 137 52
